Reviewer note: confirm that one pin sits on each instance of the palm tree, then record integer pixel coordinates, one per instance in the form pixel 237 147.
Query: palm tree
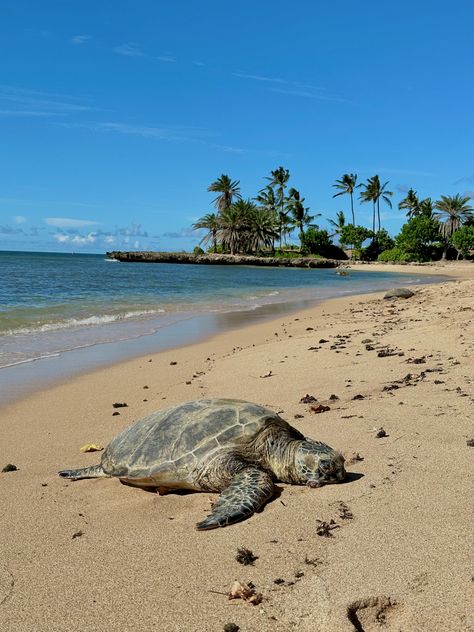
pixel 228 189
pixel 278 180
pixel 230 228
pixel 411 203
pixel 426 207
pixel 373 192
pixel 209 222
pixel 301 217
pixel 347 185
pixel 267 201
pixel 262 229
pixel 339 224
pixel 456 211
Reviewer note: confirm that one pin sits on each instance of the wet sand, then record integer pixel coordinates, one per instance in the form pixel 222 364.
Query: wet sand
pixel 96 555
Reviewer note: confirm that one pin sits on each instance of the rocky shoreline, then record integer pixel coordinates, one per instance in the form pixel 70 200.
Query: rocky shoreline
pixel 219 259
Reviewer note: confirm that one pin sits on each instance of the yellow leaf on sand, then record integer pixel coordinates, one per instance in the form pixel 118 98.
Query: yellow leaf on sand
pixel 91 447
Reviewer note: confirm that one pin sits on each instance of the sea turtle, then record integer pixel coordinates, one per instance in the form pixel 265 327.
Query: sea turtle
pixel 217 445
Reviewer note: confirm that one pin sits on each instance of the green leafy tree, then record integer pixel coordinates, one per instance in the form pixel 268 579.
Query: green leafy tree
pixel 382 242
pixel 455 211
pixel 354 236
pixel 318 242
pixel 209 222
pixel 419 238
pixel 347 185
pixel 228 192
pixel 463 241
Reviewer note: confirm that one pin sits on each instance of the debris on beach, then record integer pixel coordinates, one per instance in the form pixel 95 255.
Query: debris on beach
pixel 359 396
pixel 308 399
pixel 9 467
pixel 320 408
pixel 246 592
pixel 91 447
pixel 269 374
pixel 173 363
pixel 344 511
pixel 245 556
pixel 353 457
pixel 333 398
pixel 470 443
pixel 115 413
pixel 77 534
pixel 231 627
pixel 119 405
pixel 380 433
pixel 324 528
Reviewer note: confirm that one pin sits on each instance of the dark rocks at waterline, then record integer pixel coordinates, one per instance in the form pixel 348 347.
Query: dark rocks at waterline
pixel 219 259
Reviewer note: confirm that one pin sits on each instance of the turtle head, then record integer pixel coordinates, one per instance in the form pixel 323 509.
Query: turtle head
pixel 316 464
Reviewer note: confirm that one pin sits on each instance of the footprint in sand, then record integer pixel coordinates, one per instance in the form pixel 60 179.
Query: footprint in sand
pixel 373 613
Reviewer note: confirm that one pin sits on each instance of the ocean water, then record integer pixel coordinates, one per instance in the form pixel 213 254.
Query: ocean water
pixel 51 304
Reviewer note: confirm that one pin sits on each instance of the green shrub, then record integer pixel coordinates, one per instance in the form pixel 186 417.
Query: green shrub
pixel 396 254
pixel 198 251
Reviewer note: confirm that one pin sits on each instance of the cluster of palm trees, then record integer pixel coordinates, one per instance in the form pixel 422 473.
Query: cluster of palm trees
pixel 242 226
pixel 252 225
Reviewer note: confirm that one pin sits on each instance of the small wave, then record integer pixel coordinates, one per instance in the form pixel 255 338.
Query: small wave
pixel 27 360
pixel 84 322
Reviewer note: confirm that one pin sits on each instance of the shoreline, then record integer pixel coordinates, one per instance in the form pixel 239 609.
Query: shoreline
pixel 68 546
pixel 29 377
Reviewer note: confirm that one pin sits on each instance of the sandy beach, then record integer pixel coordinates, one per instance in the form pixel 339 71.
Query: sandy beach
pixel 96 555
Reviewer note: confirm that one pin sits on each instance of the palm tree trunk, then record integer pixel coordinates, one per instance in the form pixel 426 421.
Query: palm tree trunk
pixel 373 218
pixel 378 212
pixel 352 210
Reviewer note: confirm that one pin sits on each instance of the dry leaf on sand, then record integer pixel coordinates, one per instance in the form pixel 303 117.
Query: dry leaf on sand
pixel 246 592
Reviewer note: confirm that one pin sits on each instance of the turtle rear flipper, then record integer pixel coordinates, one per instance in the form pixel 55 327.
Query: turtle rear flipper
pixel 249 490
pixel 94 471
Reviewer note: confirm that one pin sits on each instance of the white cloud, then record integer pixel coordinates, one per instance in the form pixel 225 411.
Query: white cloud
pixel 65 222
pixel 129 50
pixel 80 39
pixel 61 238
pixel 19 219
pixel 109 239
pixel 82 241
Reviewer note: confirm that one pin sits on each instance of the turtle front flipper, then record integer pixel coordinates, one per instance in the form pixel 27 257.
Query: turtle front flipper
pixel 94 471
pixel 248 491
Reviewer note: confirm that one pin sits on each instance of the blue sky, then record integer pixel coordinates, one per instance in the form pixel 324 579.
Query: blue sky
pixel 116 116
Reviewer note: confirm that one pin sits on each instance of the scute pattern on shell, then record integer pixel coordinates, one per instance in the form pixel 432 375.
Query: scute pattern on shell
pixel 180 436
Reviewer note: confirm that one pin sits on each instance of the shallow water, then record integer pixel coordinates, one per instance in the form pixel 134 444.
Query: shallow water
pixel 63 313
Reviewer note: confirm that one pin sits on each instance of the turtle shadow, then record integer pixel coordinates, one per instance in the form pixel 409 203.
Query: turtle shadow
pixel 352 476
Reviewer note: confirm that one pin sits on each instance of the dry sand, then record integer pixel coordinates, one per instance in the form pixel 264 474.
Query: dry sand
pixel 95 555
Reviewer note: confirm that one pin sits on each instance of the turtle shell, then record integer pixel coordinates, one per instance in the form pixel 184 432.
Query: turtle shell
pixel 166 445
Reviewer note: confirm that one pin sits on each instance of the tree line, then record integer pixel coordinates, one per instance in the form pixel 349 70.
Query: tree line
pixel 255 225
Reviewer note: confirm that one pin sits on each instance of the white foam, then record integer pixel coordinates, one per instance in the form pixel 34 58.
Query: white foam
pixel 84 322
